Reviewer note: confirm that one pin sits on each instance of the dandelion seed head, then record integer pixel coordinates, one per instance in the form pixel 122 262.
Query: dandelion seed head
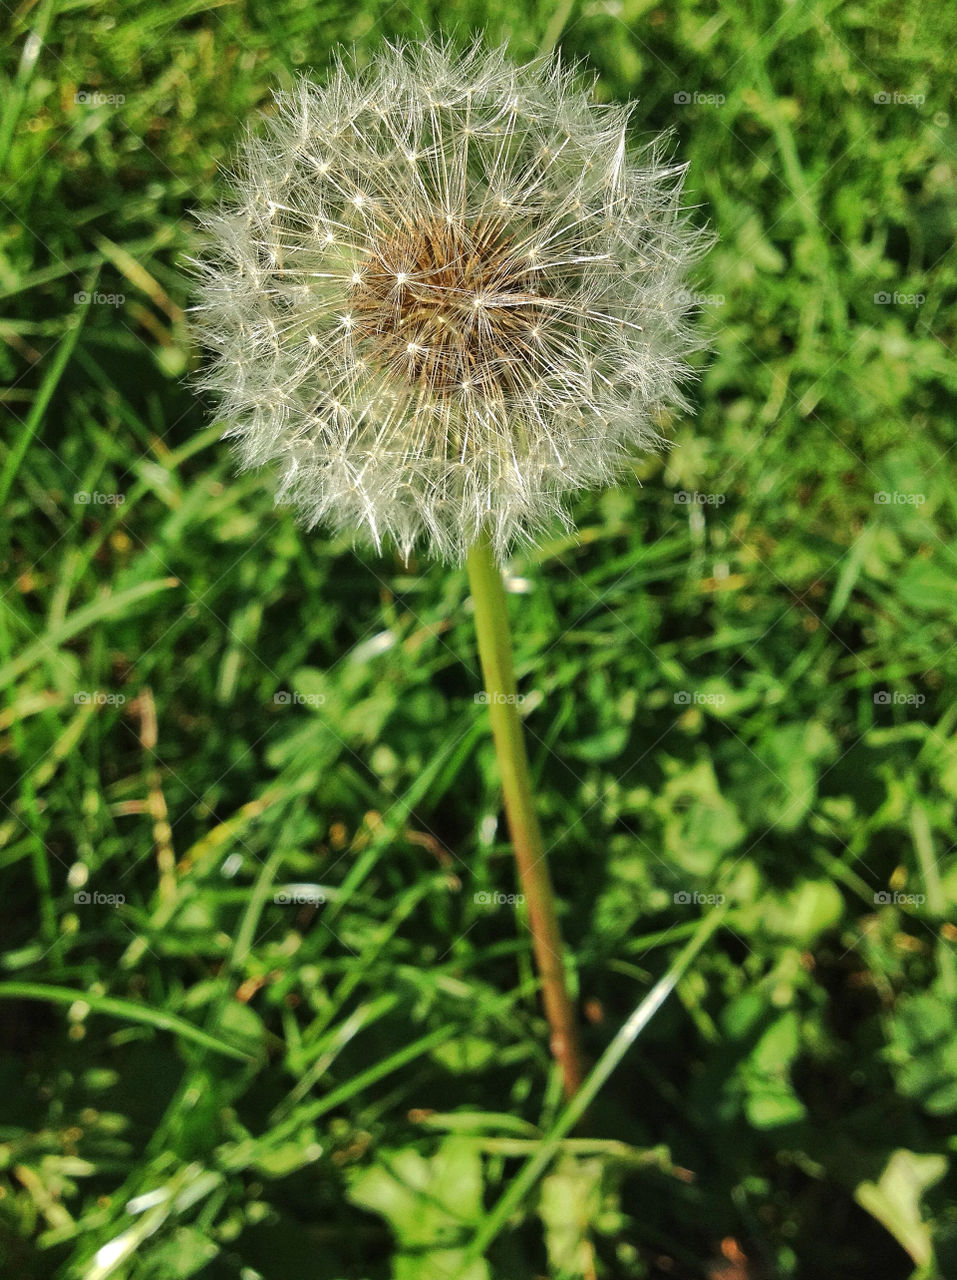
pixel 443 295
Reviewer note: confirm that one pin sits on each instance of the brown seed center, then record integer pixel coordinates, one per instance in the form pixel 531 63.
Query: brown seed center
pixel 451 307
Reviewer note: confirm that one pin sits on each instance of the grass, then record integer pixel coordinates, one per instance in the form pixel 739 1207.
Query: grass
pixel 747 695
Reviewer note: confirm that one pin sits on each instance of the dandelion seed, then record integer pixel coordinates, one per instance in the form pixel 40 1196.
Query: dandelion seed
pixel 470 292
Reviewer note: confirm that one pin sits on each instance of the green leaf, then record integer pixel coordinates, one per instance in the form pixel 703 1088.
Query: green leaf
pixel 927 587
pixel 108 605
pixel 924 1049
pixel 569 1203
pixel 771 1100
pixel 894 1200
pixel 465 1053
pixel 184 1254
pixel 699 823
pixel 124 1009
pixel 804 913
pixel 429 1202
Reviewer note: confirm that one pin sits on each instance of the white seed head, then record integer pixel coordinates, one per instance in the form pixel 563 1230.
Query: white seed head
pixel 444 295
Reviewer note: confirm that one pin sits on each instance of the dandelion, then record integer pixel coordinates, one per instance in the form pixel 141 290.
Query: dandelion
pixel 445 295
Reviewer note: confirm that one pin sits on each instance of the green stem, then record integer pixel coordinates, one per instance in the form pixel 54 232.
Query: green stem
pixel 495 652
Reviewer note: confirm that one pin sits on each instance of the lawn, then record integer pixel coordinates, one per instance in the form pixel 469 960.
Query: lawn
pixel 269 1010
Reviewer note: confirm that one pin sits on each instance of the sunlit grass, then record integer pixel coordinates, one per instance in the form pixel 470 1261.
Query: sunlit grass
pixel 738 680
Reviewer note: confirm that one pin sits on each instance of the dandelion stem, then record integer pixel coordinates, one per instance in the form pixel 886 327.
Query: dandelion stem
pixel 495 653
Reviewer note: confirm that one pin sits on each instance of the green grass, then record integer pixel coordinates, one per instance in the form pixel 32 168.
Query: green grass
pixel 749 697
